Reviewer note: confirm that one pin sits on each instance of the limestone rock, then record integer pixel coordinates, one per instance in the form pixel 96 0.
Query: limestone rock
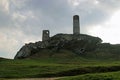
pixel 29 49
pixel 78 44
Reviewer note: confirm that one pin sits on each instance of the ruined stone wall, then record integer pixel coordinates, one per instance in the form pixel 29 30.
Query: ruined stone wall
pixel 45 35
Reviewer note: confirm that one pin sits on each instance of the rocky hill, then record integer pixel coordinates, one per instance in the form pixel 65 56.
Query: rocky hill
pixel 69 45
pixel 60 43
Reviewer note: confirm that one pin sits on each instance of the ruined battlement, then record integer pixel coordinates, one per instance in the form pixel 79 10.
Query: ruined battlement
pixel 45 35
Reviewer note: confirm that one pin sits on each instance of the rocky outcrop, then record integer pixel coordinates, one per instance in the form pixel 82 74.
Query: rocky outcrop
pixel 78 44
pixel 30 49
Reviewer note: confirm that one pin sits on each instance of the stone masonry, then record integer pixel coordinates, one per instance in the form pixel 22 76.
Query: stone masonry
pixel 76 27
pixel 45 35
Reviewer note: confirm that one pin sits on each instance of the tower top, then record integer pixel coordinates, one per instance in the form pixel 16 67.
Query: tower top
pixel 76 16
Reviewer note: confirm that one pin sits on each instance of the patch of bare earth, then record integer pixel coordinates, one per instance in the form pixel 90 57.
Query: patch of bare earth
pixel 33 79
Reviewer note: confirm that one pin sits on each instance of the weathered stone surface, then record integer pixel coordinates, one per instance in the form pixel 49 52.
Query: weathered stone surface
pixel 78 44
pixel 30 49
pixel 76 25
pixel 45 35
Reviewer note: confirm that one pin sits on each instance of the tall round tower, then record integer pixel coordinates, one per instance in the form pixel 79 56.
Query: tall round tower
pixel 76 26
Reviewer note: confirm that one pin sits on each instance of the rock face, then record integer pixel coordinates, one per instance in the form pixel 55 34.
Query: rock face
pixel 78 44
pixel 30 49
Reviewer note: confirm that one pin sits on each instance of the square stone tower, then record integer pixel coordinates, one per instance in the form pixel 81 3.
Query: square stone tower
pixel 45 35
pixel 76 26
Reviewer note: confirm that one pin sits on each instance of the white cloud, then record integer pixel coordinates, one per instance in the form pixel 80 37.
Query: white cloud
pixel 19 17
pixel 19 3
pixel 76 2
pixel 22 17
pixel 11 40
pixel 4 5
pixel 96 2
pixel 8 44
pixel 109 31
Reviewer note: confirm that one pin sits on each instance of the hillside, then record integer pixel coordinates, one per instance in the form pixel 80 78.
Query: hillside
pixel 60 45
pixel 60 67
pixel 69 45
pixel 66 56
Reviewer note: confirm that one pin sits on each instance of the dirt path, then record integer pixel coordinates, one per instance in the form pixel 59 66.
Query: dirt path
pixel 33 79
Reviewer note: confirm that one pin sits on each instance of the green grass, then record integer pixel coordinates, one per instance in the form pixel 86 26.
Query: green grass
pixel 96 76
pixel 54 67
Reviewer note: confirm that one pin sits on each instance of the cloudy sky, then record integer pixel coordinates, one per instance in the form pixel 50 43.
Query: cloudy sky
pixel 22 21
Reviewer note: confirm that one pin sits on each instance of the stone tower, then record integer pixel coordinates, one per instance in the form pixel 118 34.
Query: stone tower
pixel 76 26
pixel 45 35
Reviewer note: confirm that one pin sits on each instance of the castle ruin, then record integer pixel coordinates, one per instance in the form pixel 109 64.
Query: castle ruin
pixel 76 43
pixel 45 35
pixel 76 29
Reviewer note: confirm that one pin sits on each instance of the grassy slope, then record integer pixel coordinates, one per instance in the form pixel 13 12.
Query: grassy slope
pixel 95 76
pixel 49 66
pixel 58 64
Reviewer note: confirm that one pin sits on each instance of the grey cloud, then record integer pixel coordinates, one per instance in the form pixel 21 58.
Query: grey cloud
pixel 5 19
pixel 58 14
pixel 51 14
pixel 92 14
pixel 111 3
pixel 96 16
